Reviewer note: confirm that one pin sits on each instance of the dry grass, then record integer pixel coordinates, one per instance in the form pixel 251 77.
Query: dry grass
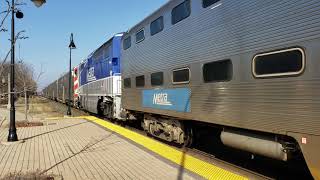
pixel 27 124
pixel 38 175
pixel 41 108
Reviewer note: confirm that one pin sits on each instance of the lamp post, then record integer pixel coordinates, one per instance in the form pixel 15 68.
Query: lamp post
pixel 12 128
pixel 71 46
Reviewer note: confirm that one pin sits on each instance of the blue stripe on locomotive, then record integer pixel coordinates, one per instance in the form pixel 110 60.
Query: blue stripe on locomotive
pixel 103 62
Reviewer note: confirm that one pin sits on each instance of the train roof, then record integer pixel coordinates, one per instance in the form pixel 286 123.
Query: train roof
pixel 154 15
pixel 106 43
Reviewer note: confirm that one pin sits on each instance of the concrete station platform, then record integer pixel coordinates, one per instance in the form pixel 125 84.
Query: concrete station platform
pixel 90 148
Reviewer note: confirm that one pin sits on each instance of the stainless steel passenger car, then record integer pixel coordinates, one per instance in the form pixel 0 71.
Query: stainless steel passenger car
pixel 59 89
pixel 250 68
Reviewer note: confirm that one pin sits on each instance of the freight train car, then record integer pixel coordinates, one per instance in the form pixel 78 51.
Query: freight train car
pixel 248 68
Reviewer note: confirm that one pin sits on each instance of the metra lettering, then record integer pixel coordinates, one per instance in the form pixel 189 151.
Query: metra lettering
pixel 90 74
pixel 161 99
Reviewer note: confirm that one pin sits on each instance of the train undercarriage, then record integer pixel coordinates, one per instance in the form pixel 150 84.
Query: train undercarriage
pixel 182 132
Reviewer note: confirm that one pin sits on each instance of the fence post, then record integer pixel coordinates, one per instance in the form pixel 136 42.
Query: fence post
pixel 25 103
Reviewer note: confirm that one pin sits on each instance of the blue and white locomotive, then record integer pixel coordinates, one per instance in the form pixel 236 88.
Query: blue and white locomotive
pixel 100 80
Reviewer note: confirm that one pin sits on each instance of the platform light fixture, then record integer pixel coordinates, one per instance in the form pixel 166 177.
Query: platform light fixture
pixel 71 46
pixel 19 14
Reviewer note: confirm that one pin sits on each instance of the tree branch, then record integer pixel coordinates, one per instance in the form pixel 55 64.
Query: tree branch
pixel 18 36
pixel 7 12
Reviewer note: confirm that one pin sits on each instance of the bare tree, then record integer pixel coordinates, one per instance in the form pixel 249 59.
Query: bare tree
pixel 3 17
pixel 18 36
pixel 25 77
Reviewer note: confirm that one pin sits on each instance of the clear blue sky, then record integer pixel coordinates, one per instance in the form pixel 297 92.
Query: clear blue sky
pixel 92 21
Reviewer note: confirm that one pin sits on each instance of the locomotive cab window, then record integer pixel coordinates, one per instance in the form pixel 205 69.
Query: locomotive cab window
pixel 180 76
pixel 127 83
pixel 140 81
pixel 218 71
pixel 286 62
pixel 127 43
pixel 157 79
pixel 180 12
pixel 140 36
pixel 207 3
pixel 156 26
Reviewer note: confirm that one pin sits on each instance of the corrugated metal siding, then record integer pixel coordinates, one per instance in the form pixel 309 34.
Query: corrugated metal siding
pixel 237 30
pixel 238 27
pixel 91 92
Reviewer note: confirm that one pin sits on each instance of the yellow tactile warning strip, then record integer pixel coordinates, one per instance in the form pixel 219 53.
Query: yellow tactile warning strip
pixel 202 168
pixel 315 173
pixel 53 118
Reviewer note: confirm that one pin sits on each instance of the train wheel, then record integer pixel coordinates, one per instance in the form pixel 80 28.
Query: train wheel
pixel 189 137
pixel 100 108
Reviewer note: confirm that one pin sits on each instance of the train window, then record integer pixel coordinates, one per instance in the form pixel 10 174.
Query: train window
pixel 279 63
pixel 207 3
pixel 127 83
pixel 180 12
pixel 156 26
pixel 140 81
pixel 140 36
pixel 217 71
pixel 157 79
pixel 127 43
pixel 180 76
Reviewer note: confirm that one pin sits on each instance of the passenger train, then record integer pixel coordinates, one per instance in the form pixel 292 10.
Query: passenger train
pixel 250 69
pixel 59 89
